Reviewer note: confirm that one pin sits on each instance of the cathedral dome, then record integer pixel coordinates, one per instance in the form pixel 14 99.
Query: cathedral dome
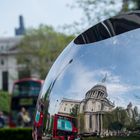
pixel 98 91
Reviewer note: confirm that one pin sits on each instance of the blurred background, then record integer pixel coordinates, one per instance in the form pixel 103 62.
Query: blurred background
pixel 32 35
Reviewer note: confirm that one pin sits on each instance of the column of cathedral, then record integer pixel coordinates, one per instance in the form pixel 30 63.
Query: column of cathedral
pixel 101 124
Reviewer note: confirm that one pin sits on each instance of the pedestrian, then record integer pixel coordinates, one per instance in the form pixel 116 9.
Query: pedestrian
pixel 26 118
pixel 23 118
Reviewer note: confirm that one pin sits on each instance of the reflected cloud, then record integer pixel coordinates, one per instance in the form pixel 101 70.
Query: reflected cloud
pixel 84 79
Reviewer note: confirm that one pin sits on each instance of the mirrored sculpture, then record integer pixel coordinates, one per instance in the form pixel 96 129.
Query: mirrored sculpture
pixel 93 88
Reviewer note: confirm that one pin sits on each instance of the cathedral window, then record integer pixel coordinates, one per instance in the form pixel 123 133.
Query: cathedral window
pixel 99 107
pixel 90 121
pixel 98 94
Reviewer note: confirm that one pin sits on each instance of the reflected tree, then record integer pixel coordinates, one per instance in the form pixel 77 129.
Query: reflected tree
pixel 81 123
pixel 117 119
pixel 74 111
pixel 98 10
pixel 94 11
pixel 130 5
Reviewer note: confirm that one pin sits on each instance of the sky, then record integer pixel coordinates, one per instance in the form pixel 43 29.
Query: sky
pixel 35 12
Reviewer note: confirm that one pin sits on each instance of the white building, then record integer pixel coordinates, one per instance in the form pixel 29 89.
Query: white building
pixel 66 106
pixel 8 62
pixel 93 107
pixel 9 68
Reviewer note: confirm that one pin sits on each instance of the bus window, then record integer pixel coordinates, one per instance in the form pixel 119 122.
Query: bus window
pixel 65 125
pixel 26 87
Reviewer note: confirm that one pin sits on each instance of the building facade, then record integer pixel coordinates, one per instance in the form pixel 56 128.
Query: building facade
pixel 8 62
pixel 66 106
pixel 10 70
pixel 92 108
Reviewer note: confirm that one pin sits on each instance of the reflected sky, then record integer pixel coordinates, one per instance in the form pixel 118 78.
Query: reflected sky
pixel 117 57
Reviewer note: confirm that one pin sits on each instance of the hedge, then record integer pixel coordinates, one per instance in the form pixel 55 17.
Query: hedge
pixel 16 134
pixel 26 134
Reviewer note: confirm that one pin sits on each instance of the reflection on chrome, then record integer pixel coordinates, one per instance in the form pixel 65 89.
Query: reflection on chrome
pixel 93 88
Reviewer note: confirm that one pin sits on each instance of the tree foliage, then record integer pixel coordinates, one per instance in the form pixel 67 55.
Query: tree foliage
pixel 130 5
pixel 118 119
pixel 74 111
pixel 81 122
pixel 96 10
pixel 5 102
pixel 39 49
pixel 136 5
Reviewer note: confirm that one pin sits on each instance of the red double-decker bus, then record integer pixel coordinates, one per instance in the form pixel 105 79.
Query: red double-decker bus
pixel 61 127
pixel 23 101
pixel 64 127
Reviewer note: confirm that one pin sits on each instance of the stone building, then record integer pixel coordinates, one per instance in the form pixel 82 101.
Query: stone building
pixel 8 62
pixel 66 106
pixel 92 107
pixel 10 70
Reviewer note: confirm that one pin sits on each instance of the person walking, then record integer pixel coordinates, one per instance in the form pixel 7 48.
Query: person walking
pixel 23 118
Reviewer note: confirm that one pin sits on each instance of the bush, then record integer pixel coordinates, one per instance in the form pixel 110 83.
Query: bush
pixel 5 99
pixel 16 134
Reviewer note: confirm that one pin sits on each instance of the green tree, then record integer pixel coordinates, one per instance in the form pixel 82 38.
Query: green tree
pixel 39 48
pixel 81 122
pixel 125 6
pixel 74 111
pixel 96 10
pixel 136 5
pixel 107 119
pixel 115 126
pixel 116 119
pixel 130 5
pixel 5 99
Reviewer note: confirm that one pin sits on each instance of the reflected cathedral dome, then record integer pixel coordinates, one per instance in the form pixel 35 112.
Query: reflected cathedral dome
pixel 98 91
pixel 73 103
